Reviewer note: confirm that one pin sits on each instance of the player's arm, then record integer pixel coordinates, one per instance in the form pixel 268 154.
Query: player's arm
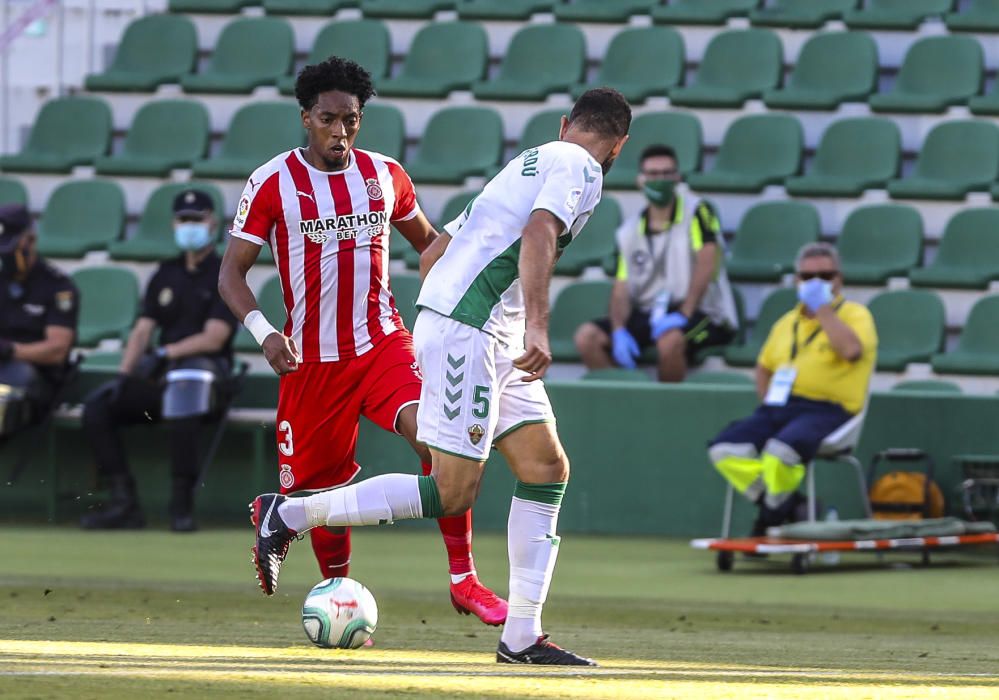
pixel 433 253
pixel 537 258
pixel 52 350
pixel 138 341
pixel 418 231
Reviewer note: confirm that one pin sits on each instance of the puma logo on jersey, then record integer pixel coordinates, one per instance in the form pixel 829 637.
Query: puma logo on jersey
pixel 307 195
pixel 253 185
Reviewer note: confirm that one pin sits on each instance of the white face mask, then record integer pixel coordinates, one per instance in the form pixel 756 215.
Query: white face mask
pixel 192 235
pixel 806 290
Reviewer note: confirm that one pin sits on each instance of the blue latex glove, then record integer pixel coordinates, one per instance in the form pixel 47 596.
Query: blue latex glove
pixel 624 348
pixel 815 293
pixel 664 324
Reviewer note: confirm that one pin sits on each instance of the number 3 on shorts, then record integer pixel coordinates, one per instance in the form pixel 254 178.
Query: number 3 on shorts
pixel 287 446
pixel 480 401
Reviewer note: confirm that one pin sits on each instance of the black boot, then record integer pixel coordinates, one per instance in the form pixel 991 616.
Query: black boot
pixel 121 510
pixel 182 506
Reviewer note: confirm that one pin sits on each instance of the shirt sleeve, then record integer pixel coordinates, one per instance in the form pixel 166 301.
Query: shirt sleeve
pixel 258 209
pixel 705 228
pixel 567 190
pixel 64 311
pixel 150 303
pixel 860 321
pixel 406 206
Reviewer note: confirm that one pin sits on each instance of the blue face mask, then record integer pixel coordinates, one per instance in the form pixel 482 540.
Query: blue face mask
pixel 192 235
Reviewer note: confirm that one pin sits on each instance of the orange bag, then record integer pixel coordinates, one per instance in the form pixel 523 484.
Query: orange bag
pixel 906 496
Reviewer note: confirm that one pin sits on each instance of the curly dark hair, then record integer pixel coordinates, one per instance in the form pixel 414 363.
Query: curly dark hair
pixel 334 73
pixel 602 110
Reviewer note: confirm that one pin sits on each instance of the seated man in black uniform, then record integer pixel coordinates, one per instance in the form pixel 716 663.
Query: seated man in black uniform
pixel 39 306
pixel 195 333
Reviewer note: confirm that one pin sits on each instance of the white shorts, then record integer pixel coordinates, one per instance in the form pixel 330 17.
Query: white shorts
pixel 472 394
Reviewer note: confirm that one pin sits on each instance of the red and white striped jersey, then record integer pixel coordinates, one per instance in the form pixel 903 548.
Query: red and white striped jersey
pixel 329 233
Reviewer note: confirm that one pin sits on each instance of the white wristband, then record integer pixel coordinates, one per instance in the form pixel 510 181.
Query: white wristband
pixel 258 326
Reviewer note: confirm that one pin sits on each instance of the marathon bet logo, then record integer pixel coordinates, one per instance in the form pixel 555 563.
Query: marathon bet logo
pixel 342 228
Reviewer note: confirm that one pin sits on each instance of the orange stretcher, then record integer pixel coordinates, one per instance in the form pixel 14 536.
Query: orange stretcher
pixel 802 551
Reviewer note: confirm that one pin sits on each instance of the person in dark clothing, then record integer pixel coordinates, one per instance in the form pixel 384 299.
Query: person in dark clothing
pixel 195 334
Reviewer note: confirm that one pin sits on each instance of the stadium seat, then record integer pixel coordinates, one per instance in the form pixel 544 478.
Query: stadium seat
pixel 956 158
pixel 777 303
pixel 317 8
pixel 502 9
pixel 365 41
pixel 895 14
pixel 12 191
pixel 737 65
pixel 217 7
pixel 854 155
pixel 238 64
pixel 680 130
pixel 639 63
pixel 757 150
pixel 271 303
pixel 405 290
pixel 719 378
pixel 937 72
pixel 444 56
pixel 80 216
pixel 164 135
pixel 979 16
pixel 154 49
pixel 595 244
pixel 602 11
pixel 927 385
pixel 109 301
pixel 257 133
pixel 575 305
pixel 454 206
pixel 541 59
pixel 968 255
pixel 977 349
pixel 616 374
pixel 543 127
pixel 795 14
pixel 153 238
pixel 880 241
pixel 458 142
pixel 911 327
pixel 832 68
pixel 68 131
pixel 406 9
pixel 768 239
pixel 702 11
pixel 382 130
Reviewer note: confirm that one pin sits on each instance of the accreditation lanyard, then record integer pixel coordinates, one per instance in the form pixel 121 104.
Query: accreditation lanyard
pixel 810 338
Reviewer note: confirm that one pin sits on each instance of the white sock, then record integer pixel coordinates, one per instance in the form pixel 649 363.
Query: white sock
pixel 533 548
pixel 374 501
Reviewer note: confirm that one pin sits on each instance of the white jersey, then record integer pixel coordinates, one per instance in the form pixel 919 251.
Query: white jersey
pixel 476 280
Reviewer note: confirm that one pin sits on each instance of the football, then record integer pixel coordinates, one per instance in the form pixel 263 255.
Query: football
pixel 339 613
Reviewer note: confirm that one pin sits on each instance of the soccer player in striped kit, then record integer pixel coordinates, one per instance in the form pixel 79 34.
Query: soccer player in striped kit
pixel 325 211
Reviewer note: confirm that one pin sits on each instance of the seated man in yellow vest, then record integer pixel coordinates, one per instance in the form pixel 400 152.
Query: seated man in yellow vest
pixel 812 376
pixel 671 289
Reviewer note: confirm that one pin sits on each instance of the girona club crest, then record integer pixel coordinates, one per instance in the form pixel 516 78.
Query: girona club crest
pixel 374 189
pixel 286 477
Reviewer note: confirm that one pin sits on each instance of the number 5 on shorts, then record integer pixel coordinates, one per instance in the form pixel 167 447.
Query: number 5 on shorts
pixel 480 401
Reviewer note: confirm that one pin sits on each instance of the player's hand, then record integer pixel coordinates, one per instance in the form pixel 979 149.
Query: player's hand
pixel 282 353
pixel 537 355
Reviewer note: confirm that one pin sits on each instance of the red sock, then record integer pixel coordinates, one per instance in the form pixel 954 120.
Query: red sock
pixel 332 551
pixel 457 533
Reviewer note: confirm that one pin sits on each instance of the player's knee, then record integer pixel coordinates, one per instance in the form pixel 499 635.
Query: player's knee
pixel 556 468
pixel 456 502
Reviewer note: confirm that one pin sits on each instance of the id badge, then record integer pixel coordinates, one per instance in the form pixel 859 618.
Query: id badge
pixel 780 386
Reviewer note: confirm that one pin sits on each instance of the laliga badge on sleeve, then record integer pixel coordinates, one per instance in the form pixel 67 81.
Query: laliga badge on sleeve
pixel 780 386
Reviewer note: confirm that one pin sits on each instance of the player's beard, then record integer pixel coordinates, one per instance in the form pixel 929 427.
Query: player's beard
pixel 335 163
pixel 607 164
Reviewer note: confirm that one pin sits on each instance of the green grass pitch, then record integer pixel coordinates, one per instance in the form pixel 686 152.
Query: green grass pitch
pixel 151 614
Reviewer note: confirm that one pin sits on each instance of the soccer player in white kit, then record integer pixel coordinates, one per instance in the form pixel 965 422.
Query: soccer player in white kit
pixel 482 343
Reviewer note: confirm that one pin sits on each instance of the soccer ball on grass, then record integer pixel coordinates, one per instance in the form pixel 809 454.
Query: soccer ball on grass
pixel 339 613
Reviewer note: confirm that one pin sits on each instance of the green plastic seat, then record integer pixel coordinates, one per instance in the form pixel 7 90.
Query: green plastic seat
pixel 719 378
pixel 832 68
pixel 602 11
pixel 318 8
pixel 109 301
pixel 957 157
pixel 639 63
pixel 154 49
pixel 777 303
pixel 854 155
pixel 795 14
pixel 937 72
pixel 737 65
pixel 153 239
pixel 979 16
pixel 911 327
pixel 968 255
pixel 164 135
pixel 680 130
pixel 257 133
pixel 922 386
pixel 543 127
pixel 80 216
pixel 382 131
pixel 596 244
pixel 213 7
pixel 702 11
pixel 756 151
pixel 405 290
pixel 68 131
pixel 444 56
pixel 895 14
pixel 238 64
pixel 13 192
pixel 271 303
pixel 541 59
pixel 454 206
pixel 880 241
pixel 768 240
pixel 458 142
pixel 364 41
pixel 502 9
pixel 405 9
pixel 977 349
pixel 617 374
pixel 575 305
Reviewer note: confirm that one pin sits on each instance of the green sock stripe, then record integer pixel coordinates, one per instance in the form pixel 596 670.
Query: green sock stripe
pixel 430 497
pixel 550 494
